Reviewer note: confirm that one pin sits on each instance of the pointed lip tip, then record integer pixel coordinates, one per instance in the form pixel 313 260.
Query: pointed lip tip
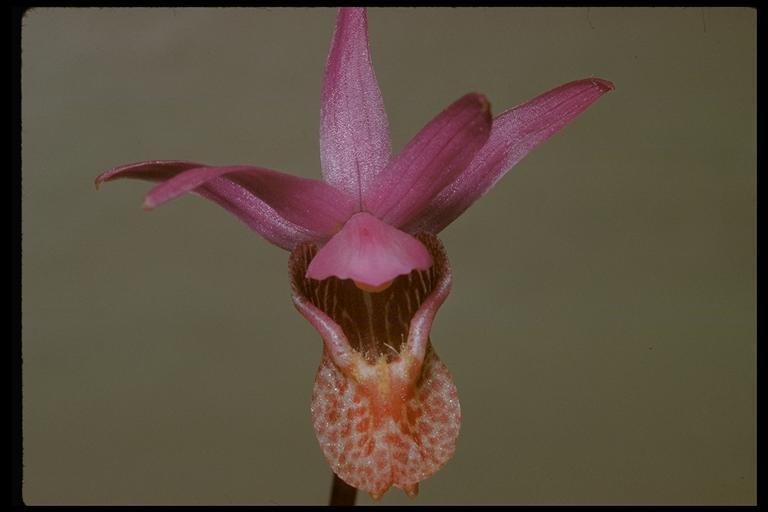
pixel 412 491
pixel 147 205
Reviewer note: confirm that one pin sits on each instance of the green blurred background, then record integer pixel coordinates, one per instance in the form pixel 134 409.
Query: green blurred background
pixel 601 329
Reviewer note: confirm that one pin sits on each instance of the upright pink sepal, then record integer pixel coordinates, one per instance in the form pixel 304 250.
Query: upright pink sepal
pixel 515 133
pixel 434 157
pixel 369 252
pixel 354 132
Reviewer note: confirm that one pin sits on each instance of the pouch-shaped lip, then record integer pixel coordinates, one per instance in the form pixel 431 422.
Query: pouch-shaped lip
pixel 385 409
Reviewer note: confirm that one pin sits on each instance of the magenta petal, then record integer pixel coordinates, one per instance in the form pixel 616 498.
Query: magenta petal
pixel 354 133
pixel 515 133
pixel 440 151
pixel 149 170
pixel 239 198
pixel 312 204
pixel 369 252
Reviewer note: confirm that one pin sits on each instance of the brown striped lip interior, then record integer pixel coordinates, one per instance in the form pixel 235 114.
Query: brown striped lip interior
pixel 375 323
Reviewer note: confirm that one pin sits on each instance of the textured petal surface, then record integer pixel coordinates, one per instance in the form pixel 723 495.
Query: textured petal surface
pixel 438 153
pixel 384 408
pixel 369 252
pixel 515 133
pixel 374 441
pixel 312 204
pixel 236 198
pixel 354 133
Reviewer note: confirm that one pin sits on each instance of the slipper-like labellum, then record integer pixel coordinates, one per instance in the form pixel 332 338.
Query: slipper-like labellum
pixel 384 407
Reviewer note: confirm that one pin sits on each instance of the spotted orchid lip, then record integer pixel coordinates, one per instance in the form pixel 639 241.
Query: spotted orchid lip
pixel 385 408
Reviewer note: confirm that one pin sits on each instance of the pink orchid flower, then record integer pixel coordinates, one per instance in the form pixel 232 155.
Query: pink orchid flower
pixel 366 268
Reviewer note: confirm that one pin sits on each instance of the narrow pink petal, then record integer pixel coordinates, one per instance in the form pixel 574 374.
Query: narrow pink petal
pixel 438 153
pixel 354 133
pixel 515 133
pixel 236 198
pixel 150 170
pixel 312 204
pixel 369 252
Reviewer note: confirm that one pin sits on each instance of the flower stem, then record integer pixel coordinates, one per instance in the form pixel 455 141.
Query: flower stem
pixel 342 494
